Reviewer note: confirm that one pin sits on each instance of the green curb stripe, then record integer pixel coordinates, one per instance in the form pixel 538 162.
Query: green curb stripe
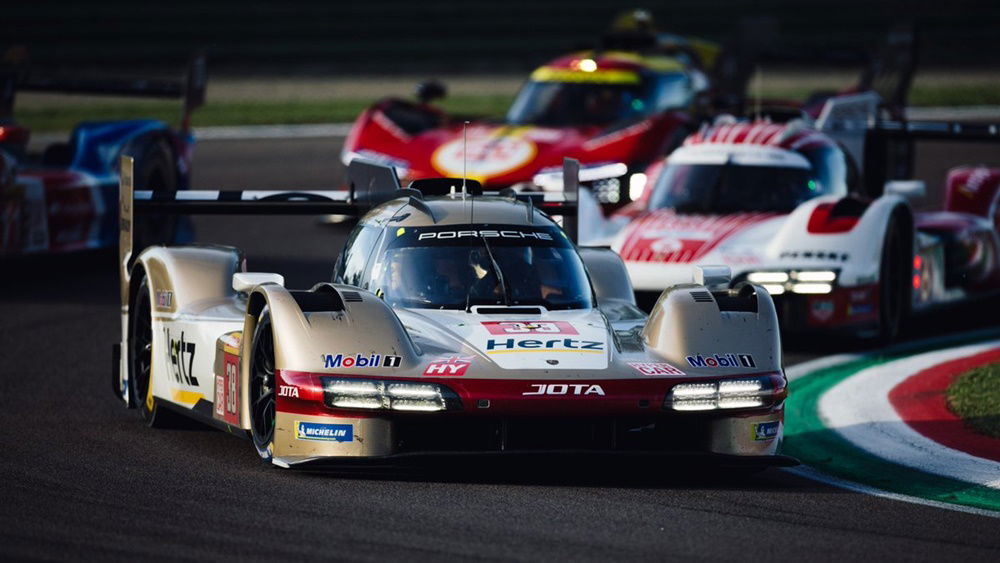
pixel 816 445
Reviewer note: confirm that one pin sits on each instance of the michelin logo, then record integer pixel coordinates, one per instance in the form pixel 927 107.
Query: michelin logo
pixel 361 361
pixel 722 361
pixel 765 431
pixel 324 432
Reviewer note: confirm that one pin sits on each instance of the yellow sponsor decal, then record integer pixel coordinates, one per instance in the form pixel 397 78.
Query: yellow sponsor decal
pixel 149 391
pixel 186 397
pixel 610 76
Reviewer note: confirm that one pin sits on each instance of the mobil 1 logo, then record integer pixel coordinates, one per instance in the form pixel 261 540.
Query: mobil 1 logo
pixel 722 361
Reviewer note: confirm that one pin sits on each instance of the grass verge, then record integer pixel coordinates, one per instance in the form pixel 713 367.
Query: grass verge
pixel 63 114
pixel 975 397
pixel 64 117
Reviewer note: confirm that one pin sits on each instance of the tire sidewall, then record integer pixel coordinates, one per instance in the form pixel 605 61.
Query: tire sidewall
pixel 894 283
pixel 148 414
pixel 264 449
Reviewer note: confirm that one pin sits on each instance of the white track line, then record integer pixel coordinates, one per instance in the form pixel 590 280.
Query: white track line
pixel 859 410
pixel 814 475
pixel 318 130
pixel 248 132
pixel 805 368
pixel 952 113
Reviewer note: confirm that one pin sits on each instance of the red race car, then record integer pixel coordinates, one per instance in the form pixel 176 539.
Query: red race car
pixel 616 109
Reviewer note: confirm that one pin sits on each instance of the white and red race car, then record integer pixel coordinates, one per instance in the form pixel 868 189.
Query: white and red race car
pixel 803 209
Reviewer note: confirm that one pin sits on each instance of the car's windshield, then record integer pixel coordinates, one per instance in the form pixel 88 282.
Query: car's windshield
pixel 457 267
pixel 569 103
pixel 770 182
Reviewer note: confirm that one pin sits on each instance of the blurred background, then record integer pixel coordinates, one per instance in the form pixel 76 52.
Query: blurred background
pixel 319 61
pixel 393 36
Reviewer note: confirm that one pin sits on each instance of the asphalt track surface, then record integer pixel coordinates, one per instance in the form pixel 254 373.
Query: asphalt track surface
pixel 82 479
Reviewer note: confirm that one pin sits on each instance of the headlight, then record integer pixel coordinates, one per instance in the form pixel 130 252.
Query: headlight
pixel 726 394
pixel 811 288
pixel 348 393
pixel 636 185
pixel 815 276
pixel 767 277
pixel 807 282
pixel 551 179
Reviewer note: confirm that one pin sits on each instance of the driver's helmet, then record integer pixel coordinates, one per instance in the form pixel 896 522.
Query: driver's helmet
pixel 432 278
pixel 602 104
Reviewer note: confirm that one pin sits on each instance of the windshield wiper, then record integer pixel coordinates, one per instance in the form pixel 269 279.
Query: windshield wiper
pixel 499 274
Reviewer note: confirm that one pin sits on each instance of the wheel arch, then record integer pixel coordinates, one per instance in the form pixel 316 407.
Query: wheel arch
pixel 308 325
pixel 177 277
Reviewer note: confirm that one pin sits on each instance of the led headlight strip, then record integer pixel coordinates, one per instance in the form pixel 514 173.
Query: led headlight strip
pixel 810 282
pixel 726 394
pixel 356 393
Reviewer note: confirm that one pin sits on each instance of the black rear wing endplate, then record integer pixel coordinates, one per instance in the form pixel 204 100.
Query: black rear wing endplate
pixel 888 146
pixel 19 76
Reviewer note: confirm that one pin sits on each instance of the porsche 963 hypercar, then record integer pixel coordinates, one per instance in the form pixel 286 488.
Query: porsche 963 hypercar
pixel 458 322
pixel 817 213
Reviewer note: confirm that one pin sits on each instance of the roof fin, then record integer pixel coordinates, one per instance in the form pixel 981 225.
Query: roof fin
pixel 422 206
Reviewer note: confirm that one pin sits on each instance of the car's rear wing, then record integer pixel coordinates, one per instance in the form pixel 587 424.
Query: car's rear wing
pixel 19 76
pixel 888 151
pixel 887 75
pixel 368 185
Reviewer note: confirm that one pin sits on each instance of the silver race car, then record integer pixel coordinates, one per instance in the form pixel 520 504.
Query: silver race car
pixel 459 322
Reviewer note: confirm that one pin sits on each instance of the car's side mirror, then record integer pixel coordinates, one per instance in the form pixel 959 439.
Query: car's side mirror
pixel 907 189
pixel 711 276
pixel 245 281
pixel 431 90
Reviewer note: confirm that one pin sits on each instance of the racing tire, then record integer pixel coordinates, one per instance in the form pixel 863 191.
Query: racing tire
pixel 894 283
pixel 140 362
pixel 155 170
pixel 261 387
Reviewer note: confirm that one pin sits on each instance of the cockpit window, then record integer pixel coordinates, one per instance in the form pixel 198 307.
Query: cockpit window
pixel 569 103
pixel 717 183
pixel 455 267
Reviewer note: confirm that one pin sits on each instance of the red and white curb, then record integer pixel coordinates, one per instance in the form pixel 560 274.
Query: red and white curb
pixel 859 409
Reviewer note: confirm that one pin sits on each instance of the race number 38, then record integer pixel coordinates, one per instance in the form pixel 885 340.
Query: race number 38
pixel 529 327
pixel 227 390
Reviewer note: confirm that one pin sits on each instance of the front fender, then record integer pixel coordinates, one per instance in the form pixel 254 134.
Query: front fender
pixel 856 251
pixel 308 328
pixel 689 320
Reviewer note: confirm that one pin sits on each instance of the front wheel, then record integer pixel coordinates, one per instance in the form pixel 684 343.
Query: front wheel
pixel 894 280
pixel 140 361
pixel 261 387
